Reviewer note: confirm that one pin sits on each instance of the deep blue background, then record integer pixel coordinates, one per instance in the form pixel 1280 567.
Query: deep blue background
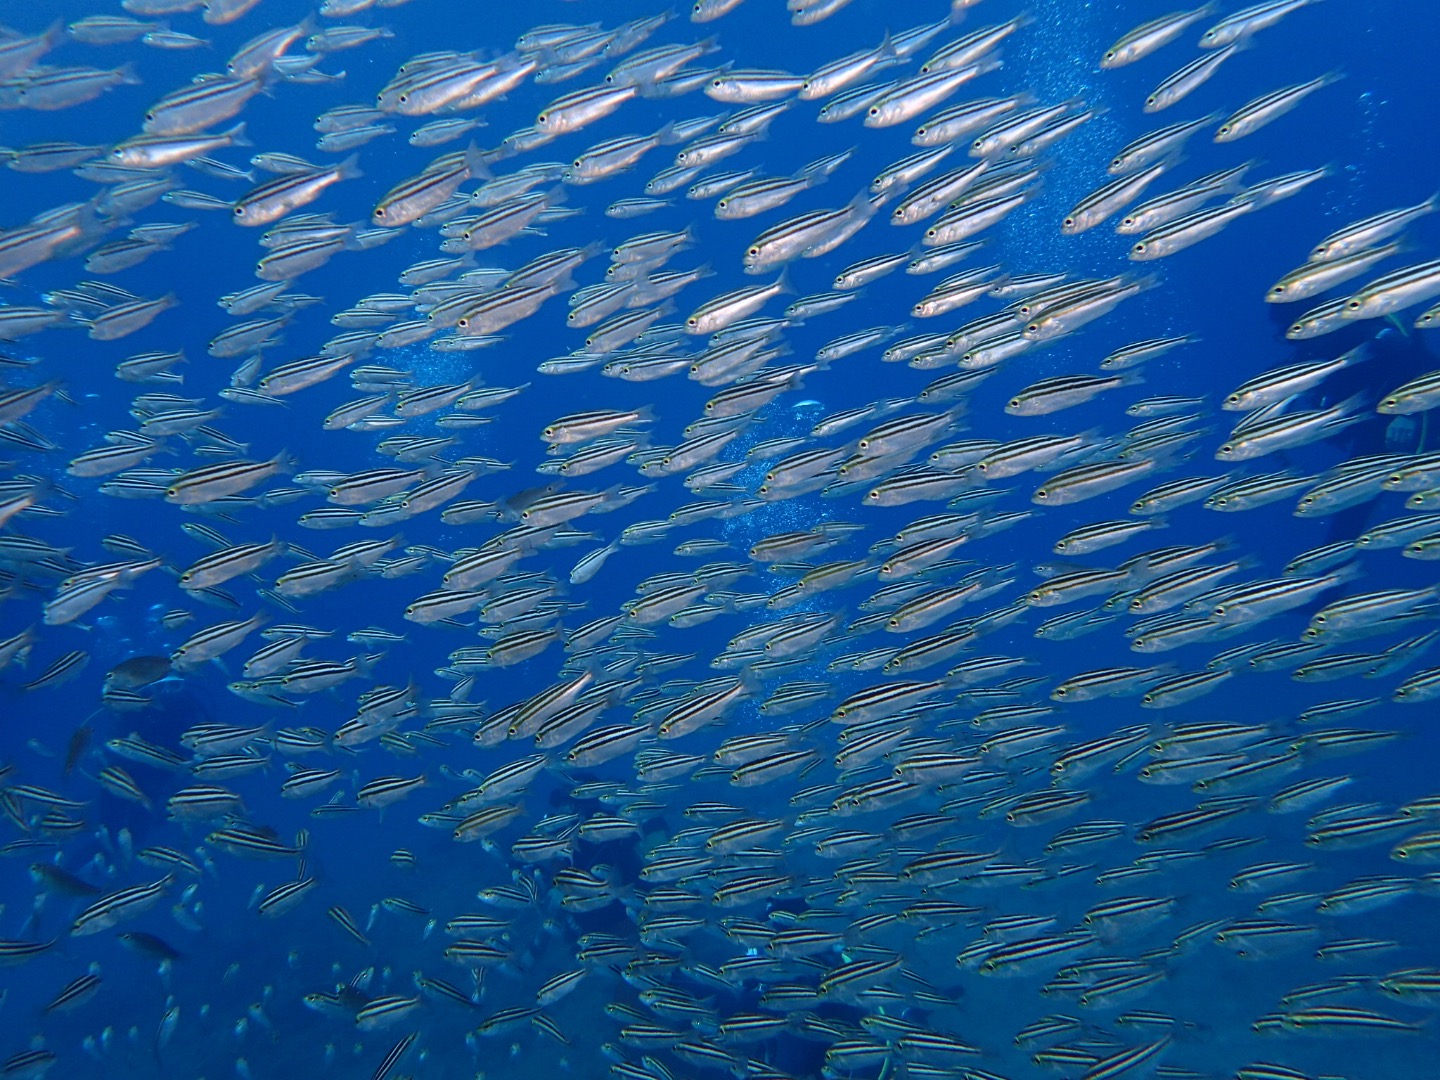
pixel 1375 128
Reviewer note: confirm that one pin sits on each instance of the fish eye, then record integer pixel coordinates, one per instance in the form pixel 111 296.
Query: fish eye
pixel 404 98
pixel 1042 494
pixel 1150 100
pixel 1353 305
pixel 1138 247
pixel 753 251
pixel 1069 222
pixel 874 110
pixel 1110 55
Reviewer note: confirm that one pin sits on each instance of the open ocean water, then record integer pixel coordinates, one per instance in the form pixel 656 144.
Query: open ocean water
pixel 745 741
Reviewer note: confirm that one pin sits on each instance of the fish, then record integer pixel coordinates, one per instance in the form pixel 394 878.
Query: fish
pixel 1267 108
pixel 1241 24
pixel 274 199
pixel 1151 36
pixel 1369 231
pixel 1394 291
pixel 748 711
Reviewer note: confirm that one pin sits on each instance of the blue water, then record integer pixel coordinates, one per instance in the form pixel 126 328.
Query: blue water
pixel 240 981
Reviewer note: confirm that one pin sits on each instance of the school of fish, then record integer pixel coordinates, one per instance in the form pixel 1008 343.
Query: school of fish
pixel 396 786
